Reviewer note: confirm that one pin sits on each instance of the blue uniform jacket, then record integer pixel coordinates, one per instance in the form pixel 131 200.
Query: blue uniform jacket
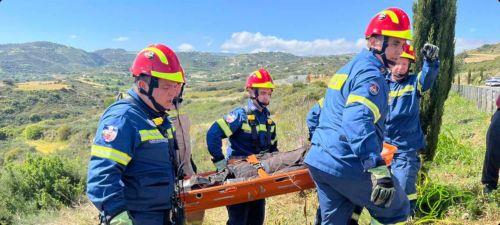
pixel 238 128
pixel 312 117
pixel 403 127
pixel 348 139
pixel 131 166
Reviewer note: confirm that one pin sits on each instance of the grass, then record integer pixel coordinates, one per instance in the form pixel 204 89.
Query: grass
pixel 42 85
pixel 47 147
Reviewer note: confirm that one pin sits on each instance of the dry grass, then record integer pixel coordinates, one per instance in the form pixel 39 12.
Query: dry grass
pixel 47 147
pixel 83 80
pixel 42 85
pixel 474 58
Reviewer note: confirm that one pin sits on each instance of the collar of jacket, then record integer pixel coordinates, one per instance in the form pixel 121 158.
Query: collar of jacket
pixel 370 56
pixel 254 109
pixel 151 113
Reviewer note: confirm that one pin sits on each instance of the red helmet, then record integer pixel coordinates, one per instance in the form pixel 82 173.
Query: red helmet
pixel 408 52
pixel 391 22
pixel 159 61
pixel 260 79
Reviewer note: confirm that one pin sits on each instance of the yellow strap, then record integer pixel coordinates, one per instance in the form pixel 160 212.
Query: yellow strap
pixel 320 102
pixel 356 98
pixel 225 128
pixel 412 196
pixel 337 81
pixel 154 134
pixel 110 153
pixel 419 85
pixel 260 127
pixel 407 88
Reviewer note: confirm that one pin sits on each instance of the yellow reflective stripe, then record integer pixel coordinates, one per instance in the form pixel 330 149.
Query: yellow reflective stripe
pixel 392 15
pixel 176 77
pixel 407 88
pixel 147 135
pixel 110 153
pixel 337 81
pixel 419 85
pixel 412 196
pixel 404 34
pixel 159 53
pixel 261 127
pixel 274 140
pixel 258 74
pixel 355 216
pixel 263 85
pixel 408 56
pixel 246 127
pixel 225 128
pixel 367 103
pixel 320 102
pixel 170 133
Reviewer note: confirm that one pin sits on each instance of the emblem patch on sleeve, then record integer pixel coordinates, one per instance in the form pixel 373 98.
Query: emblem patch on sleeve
pixel 230 118
pixel 109 133
pixel 374 88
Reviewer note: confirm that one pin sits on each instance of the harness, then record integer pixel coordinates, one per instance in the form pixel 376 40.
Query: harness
pixel 255 126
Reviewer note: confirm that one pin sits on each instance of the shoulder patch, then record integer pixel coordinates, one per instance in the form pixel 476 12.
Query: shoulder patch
pixel 109 133
pixel 230 118
pixel 374 88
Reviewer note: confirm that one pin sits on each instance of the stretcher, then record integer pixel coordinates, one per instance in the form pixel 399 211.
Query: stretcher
pixel 258 188
pixel 245 191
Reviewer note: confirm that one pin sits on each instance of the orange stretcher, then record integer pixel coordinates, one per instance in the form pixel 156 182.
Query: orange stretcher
pixel 245 191
pixel 259 188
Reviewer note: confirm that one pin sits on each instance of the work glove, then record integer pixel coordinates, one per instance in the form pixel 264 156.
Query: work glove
pixel 383 190
pixel 430 52
pixel 221 165
pixel 120 219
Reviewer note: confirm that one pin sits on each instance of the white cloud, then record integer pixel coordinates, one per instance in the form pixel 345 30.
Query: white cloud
pixel 185 47
pixel 256 42
pixel 120 39
pixel 462 44
pixel 73 36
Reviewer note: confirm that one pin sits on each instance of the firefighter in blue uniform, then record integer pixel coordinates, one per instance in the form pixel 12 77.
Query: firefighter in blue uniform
pixel 344 160
pixel 250 130
pixel 403 128
pixel 131 173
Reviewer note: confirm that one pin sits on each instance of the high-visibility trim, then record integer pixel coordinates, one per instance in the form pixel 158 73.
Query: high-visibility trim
pixel 356 98
pixel 320 102
pixel 407 88
pixel 170 133
pixel 110 153
pixel 176 77
pixel 337 81
pixel 159 53
pixel 419 85
pixel 412 196
pixel 225 128
pixel 260 127
pixel 392 15
pixel 408 56
pixel 274 141
pixel 404 34
pixel 263 85
pixel 258 74
pixel 355 216
pixel 158 121
pixel 147 135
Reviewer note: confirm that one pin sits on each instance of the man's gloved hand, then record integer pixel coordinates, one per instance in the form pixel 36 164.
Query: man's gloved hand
pixel 221 164
pixel 383 190
pixel 120 219
pixel 430 52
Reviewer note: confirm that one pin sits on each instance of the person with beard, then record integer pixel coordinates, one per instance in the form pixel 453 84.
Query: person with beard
pixel 250 130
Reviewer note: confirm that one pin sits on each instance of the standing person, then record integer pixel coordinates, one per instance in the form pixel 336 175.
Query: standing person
pixel 132 169
pixel 402 124
pixel 491 164
pixel 344 160
pixel 250 130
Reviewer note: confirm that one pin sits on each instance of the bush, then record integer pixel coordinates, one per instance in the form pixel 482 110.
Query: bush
pixel 33 132
pixel 63 133
pixel 41 182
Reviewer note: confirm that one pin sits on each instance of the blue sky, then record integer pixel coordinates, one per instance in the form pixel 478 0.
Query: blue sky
pixel 300 27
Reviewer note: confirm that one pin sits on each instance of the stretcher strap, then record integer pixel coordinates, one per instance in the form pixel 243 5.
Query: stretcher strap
pixel 252 159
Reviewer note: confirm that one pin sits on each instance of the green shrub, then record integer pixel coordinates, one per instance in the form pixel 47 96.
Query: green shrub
pixel 63 133
pixel 33 132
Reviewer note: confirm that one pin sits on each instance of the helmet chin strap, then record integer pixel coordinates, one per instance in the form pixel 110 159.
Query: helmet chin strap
pixel 386 61
pixel 256 99
pixel 152 85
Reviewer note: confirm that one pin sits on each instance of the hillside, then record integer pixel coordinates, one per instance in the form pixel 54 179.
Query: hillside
pixel 485 58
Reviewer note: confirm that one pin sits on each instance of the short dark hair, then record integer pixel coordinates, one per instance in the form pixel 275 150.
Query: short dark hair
pixel 143 77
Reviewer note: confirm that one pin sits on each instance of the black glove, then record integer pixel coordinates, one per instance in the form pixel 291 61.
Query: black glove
pixel 430 52
pixel 383 190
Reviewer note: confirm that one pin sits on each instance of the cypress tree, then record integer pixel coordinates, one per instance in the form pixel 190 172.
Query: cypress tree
pixel 469 77
pixel 434 22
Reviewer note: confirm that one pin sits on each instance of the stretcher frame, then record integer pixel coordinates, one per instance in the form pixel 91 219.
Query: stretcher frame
pixel 245 191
